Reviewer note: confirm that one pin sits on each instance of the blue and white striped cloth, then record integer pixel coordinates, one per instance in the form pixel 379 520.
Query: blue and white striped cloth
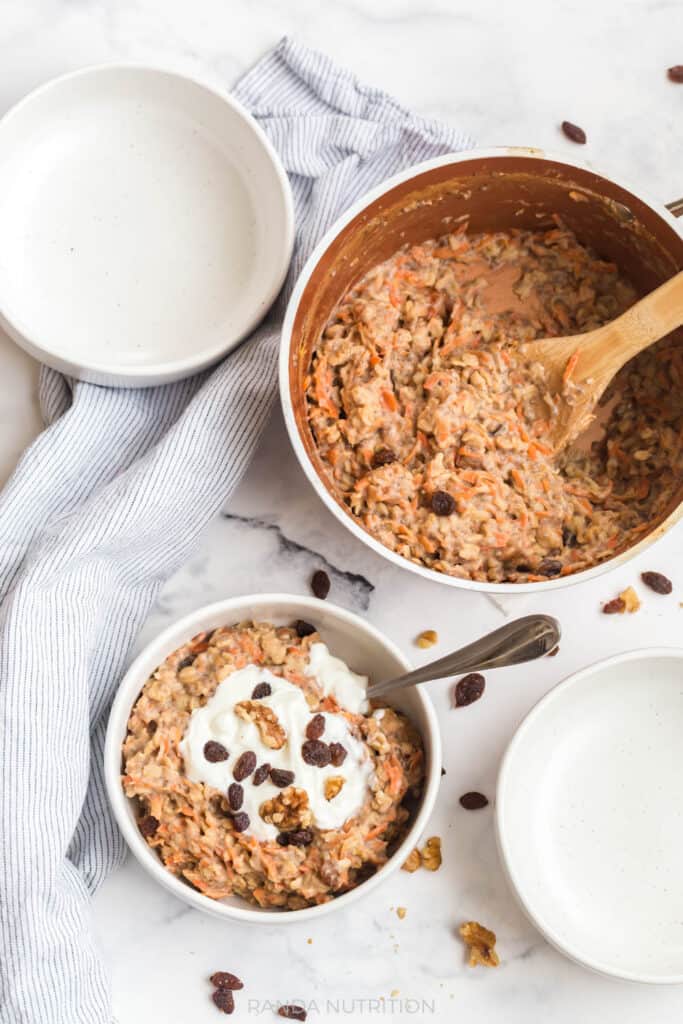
pixel 102 508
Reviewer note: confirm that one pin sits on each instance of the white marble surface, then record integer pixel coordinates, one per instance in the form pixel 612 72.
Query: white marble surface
pixel 506 73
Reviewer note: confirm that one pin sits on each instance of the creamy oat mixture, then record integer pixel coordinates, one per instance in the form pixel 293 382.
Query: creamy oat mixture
pixel 427 419
pixel 259 769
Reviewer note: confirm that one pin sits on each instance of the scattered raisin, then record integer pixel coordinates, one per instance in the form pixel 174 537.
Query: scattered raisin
pixel 214 752
pixel 261 774
pixel 185 662
pixel 292 1012
pixel 316 752
pixel 281 777
pixel 224 1000
pixel 303 628
pixel 235 796
pixel 473 801
pixel 550 567
pixel 224 979
pixel 573 132
pixel 148 825
pixel 569 538
pixel 383 457
pixel 338 754
pixel 315 728
pixel 615 606
pixel 469 689
pixel 320 584
pixel 442 503
pixel 443 771
pixel 298 837
pixel 657 582
pixel 261 690
pixel 244 766
pixel 240 821
pixel 676 73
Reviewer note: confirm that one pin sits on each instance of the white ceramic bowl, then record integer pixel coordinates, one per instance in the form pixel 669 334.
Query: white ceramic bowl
pixel 146 224
pixel 363 648
pixel 590 818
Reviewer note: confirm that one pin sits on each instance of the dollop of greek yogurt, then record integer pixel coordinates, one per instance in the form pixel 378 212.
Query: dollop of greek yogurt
pixel 217 721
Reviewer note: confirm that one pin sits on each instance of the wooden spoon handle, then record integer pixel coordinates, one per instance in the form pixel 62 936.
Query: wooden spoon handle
pixel 644 323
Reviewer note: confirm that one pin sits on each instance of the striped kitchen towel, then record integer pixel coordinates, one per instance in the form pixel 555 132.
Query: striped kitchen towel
pixel 103 507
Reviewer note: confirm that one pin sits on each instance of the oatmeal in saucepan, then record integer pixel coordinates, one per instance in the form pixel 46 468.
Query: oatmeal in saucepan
pixel 427 420
pixel 259 770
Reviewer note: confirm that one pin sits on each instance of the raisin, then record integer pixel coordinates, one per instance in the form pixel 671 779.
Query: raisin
pixel 303 628
pixel 281 777
pixel 244 766
pixel 383 457
pixel 240 821
pixel 523 567
pixel 148 825
pixel 657 582
pixel 338 754
pixel 443 771
pixel 473 801
pixel 235 796
pixel 214 752
pixel 224 1000
pixel 152 728
pixel 676 73
pixel 315 728
pixel 550 567
pixel 573 132
pixel 365 871
pixel 292 1012
pixel 569 538
pixel 224 979
pixel 261 774
pixel 185 663
pixel 261 690
pixel 615 606
pixel 320 584
pixel 316 752
pixel 469 689
pixel 442 503
pixel 298 837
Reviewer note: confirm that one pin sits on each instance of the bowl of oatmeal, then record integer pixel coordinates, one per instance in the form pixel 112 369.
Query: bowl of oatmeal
pixel 411 406
pixel 247 771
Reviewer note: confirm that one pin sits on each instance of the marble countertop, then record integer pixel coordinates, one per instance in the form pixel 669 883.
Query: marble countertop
pixel 504 74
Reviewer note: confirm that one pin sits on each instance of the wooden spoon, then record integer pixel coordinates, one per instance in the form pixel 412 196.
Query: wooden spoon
pixel 579 368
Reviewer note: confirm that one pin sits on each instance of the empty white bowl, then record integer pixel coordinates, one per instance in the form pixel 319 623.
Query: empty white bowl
pixel 590 817
pixel 146 224
pixel 360 645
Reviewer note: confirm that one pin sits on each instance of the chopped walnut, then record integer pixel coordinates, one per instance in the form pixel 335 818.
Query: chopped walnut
pixel 431 854
pixel 481 943
pixel 288 810
pixel 413 861
pixel 427 638
pixel 630 599
pixel 265 720
pixel 334 786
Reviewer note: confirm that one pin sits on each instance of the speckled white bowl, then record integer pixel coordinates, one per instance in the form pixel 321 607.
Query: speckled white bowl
pixel 364 649
pixel 589 816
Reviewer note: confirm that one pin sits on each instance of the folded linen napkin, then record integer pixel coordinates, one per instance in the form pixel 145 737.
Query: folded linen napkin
pixel 102 508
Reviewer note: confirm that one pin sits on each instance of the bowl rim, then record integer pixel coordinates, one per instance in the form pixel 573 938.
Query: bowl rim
pixel 153 373
pixel 288 410
pixel 549 934
pixel 128 691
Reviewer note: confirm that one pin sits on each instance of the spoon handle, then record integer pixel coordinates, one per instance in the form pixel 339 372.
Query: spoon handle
pixel 521 640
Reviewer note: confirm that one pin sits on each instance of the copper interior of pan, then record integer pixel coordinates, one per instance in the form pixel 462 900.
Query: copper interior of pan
pixel 495 193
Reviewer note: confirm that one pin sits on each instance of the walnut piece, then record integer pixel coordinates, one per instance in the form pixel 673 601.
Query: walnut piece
pixel 266 721
pixel 481 943
pixel 413 861
pixel 334 786
pixel 431 854
pixel 630 599
pixel 288 810
pixel 427 638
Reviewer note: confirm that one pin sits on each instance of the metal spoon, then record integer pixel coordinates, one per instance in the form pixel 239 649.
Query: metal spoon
pixel 521 640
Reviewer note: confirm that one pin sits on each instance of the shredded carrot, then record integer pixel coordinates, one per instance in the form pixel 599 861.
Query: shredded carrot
pixel 571 366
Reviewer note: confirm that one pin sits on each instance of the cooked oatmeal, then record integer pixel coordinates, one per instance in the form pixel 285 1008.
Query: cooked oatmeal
pixel 426 416
pixel 259 770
